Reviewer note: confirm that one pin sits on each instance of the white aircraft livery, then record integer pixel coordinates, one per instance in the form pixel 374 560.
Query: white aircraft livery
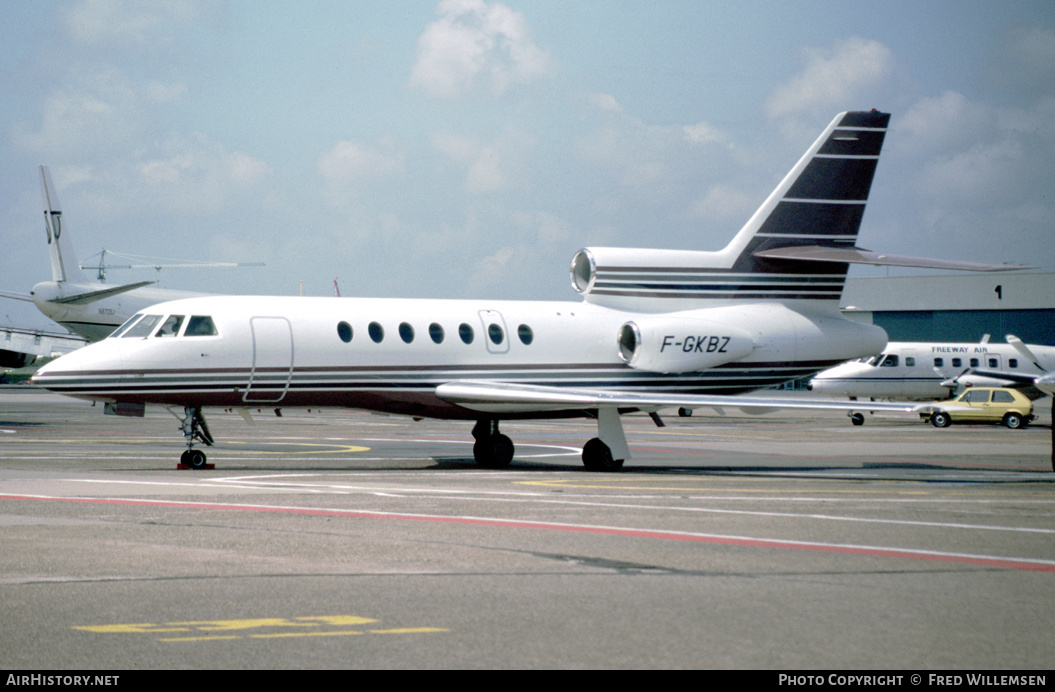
pixel 654 329
pixel 923 370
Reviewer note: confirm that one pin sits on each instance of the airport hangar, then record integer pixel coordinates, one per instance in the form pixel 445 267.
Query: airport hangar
pixel 960 307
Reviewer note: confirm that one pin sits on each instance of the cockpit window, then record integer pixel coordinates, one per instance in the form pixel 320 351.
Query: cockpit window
pixel 170 327
pixel 200 325
pixel 144 327
pixel 131 320
pixel 889 362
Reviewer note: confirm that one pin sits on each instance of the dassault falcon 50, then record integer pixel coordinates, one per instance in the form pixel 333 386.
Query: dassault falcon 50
pixel 654 329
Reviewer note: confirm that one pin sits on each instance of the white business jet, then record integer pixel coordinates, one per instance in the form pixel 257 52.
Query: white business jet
pixel 654 329
pixel 923 371
pixel 88 308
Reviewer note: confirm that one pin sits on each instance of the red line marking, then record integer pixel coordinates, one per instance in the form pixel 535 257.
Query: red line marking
pixel 905 553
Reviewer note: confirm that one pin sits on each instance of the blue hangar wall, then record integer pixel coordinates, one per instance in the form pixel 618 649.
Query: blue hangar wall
pixel 961 307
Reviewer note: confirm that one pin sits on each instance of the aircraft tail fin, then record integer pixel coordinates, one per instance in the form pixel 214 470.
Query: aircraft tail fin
pixel 64 265
pixel 818 205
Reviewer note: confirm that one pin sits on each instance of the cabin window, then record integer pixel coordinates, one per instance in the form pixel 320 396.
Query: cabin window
pixel 495 334
pixel 200 325
pixel 910 362
pixel 406 332
pixel 436 333
pixel 974 362
pixel 144 327
pixel 956 362
pixel 1012 363
pixel 131 320
pixel 344 330
pixel 376 331
pixel 994 363
pixel 525 334
pixel 939 362
pixel 466 333
pixel 171 326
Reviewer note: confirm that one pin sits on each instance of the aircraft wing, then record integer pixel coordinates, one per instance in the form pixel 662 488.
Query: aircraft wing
pixel 819 253
pixel 507 397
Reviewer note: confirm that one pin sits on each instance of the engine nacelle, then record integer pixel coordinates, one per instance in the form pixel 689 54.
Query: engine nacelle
pixel 678 344
pixel 15 359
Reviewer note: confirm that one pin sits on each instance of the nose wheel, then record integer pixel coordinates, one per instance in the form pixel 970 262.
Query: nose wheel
pixel 194 429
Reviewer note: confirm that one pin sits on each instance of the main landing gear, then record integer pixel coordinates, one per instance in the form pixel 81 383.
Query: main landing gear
pixel 194 428
pixel 606 452
pixel 492 450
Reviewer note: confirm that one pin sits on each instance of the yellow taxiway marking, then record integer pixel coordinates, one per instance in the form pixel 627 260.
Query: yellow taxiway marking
pixel 304 626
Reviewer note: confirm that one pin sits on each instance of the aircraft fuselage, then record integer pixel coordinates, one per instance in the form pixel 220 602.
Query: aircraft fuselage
pixel 389 355
pixel 923 370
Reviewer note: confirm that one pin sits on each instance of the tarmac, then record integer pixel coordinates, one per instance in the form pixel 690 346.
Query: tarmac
pixel 340 539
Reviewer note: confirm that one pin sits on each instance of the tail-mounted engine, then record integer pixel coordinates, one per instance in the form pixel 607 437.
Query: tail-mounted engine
pixel 678 344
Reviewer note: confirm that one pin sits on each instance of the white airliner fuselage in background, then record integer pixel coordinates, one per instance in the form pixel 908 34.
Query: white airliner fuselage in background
pixel 920 371
pixel 655 329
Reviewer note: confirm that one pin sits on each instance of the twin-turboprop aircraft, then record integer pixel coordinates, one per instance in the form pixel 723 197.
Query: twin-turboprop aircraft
pixel 654 329
pixel 921 371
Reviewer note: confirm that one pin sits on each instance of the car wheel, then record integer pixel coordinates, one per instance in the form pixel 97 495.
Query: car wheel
pixel 940 419
pixel 1014 421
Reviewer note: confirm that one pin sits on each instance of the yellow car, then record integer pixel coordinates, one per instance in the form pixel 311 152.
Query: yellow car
pixel 981 405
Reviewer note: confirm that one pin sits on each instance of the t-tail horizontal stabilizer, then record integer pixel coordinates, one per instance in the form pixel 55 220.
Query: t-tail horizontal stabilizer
pixel 92 296
pixel 855 255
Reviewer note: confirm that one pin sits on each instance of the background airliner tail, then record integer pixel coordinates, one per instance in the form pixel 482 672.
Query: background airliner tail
pixel 817 207
pixel 64 265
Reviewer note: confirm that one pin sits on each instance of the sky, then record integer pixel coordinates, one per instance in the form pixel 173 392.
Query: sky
pixel 467 149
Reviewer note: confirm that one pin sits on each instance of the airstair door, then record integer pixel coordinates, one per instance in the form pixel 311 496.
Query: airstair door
pixel 272 360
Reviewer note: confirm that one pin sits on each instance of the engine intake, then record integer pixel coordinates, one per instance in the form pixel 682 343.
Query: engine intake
pixel 671 345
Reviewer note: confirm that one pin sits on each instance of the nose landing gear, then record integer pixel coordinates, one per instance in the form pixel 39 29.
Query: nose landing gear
pixel 194 428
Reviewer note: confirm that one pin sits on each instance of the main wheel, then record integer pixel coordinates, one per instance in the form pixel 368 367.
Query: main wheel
pixel 1014 421
pixel 596 456
pixel 493 451
pixel 940 419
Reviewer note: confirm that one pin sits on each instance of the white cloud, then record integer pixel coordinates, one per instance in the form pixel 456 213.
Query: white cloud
pixel 833 79
pixel 350 164
pixel 473 42
pixel 488 166
pixel 197 176
pixel 91 113
pixel 948 122
pixel 97 22
pixel 703 133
